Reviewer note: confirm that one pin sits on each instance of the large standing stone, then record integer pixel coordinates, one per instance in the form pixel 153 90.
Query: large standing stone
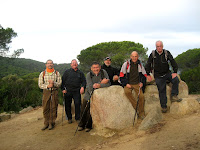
pixel 153 117
pixel 111 110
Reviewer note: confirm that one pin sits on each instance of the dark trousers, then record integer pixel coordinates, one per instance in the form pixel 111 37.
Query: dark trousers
pixel 161 84
pixel 77 103
pixel 86 121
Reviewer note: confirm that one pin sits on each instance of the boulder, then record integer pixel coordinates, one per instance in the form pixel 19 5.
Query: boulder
pixel 111 110
pixel 153 117
pixel 26 110
pixel 186 106
pixel 4 116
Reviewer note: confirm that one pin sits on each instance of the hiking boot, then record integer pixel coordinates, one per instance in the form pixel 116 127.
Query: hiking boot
pixel 69 121
pixel 80 128
pixel 175 99
pixel 141 117
pixel 45 127
pixel 164 110
pixel 88 129
pixel 51 126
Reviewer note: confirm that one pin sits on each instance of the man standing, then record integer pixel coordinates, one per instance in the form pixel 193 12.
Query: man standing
pixel 158 63
pixel 73 85
pixel 113 73
pixel 133 77
pixel 97 78
pixel 49 80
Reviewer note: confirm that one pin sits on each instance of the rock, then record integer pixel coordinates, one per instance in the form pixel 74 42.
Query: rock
pixel 26 110
pixel 4 116
pixel 151 97
pixel 153 117
pixel 198 99
pixel 186 106
pixel 111 110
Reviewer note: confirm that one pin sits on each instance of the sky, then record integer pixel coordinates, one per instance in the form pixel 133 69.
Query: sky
pixel 60 29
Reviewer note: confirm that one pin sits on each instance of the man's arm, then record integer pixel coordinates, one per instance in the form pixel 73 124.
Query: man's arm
pixel 41 83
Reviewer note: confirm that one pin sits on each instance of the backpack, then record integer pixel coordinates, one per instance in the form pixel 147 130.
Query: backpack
pixel 153 56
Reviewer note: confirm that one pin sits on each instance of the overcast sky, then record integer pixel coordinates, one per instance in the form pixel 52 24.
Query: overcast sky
pixel 60 29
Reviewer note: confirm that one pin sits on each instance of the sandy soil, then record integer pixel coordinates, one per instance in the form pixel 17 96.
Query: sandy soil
pixel 23 132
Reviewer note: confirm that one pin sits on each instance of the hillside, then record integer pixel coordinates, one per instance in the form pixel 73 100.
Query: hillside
pixel 22 66
pixel 173 133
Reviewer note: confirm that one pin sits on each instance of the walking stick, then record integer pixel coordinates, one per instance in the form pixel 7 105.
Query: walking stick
pixel 51 103
pixel 63 107
pixel 136 106
pixel 88 102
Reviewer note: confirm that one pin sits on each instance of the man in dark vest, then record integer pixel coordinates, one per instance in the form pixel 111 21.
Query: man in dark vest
pixel 97 78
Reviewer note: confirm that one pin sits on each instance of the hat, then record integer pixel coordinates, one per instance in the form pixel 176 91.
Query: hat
pixel 107 58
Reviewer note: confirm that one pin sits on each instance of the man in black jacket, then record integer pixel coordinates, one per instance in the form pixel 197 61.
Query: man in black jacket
pixel 113 73
pixel 158 64
pixel 73 85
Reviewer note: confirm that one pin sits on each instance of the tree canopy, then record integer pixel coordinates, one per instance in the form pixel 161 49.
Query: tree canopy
pixel 117 51
pixel 189 66
pixel 188 60
pixel 6 36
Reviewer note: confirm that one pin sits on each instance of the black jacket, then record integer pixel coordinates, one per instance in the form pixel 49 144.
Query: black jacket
pixel 73 80
pixel 161 66
pixel 111 72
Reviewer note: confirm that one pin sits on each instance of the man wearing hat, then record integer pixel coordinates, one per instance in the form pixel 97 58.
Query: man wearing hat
pixel 113 73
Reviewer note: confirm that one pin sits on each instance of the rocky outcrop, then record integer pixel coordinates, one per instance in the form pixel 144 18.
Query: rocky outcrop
pixel 111 110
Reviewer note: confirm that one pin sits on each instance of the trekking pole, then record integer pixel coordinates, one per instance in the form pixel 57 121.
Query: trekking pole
pixel 51 103
pixel 136 106
pixel 88 102
pixel 63 105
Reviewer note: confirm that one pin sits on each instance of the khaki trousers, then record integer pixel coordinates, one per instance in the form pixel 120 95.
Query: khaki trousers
pixel 128 93
pixel 50 106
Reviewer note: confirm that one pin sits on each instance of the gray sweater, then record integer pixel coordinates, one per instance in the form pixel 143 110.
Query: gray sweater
pixel 91 78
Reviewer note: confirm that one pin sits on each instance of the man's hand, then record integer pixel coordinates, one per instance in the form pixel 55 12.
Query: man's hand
pixel 96 85
pixel 115 78
pixel 174 75
pixel 149 78
pixel 82 90
pixel 104 81
pixel 140 85
pixel 51 84
pixel 128 86
pixel 64 91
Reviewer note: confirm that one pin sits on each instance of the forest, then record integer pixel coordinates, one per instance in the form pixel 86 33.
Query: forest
pixel 19 76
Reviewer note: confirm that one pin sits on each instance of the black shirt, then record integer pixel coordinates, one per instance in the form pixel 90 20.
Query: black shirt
pixel 73 80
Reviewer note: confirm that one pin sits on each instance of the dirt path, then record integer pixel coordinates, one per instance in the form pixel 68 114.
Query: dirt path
pixel 174 133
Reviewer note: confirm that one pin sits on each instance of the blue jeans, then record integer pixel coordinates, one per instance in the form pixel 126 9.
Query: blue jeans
pixel 161 84
pixel 77 103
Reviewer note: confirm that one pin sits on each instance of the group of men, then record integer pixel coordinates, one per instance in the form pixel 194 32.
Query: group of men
pixel 132 76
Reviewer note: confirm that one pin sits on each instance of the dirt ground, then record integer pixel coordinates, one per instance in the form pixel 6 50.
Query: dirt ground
pixel 23 132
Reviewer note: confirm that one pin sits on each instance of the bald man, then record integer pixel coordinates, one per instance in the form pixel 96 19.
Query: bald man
pixel 133 77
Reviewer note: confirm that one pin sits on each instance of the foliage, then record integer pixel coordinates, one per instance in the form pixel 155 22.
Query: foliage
pixel 21 66
pixel 188 60
pixel 6 36
pixel 189 66
pixel 117 51
pixel 18 93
